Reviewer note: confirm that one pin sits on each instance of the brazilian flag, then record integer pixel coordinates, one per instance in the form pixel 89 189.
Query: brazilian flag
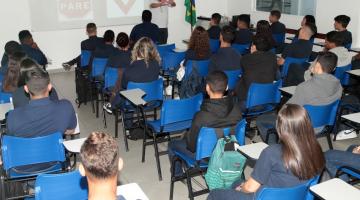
pixel 190 15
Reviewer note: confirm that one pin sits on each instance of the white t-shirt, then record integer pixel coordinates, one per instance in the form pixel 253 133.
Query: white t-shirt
pixel 159 15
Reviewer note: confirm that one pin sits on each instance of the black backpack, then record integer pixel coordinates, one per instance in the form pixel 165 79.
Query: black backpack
pixel 192 85
pixel 83 86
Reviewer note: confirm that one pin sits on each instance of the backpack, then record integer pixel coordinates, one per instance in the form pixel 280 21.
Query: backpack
pixel 225 166
pixel 192 84
pixel 83 86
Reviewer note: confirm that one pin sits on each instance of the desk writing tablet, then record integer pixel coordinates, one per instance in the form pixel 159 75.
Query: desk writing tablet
pixel 253 150
pixel 134 96
pixel 355 72
pixel 289 90
pixel 77 129
pixel 4 108
pixel 354 117
pixel 131 191
pixel 74 145
pixel 336 189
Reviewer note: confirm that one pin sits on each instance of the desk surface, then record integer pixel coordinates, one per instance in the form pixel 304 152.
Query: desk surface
pixel 131 191
pixel 355 72
pixel 74 145
pixel 335 189
pixel 134 96
pixel 253 150
pixel 289 90
pixel 4 108
pixel 354 117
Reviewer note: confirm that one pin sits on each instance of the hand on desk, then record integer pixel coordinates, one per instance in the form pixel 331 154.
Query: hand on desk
pixel 356 150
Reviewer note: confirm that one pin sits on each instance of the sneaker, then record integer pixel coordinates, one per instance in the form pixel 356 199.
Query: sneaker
pixel 168 90
pixel 346 134
pixel 107 108
pixel 66 66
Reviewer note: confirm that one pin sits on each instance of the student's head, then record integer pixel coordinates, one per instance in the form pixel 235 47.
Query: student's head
pixel 12 47
pixel 37 83
pixel 109 36
pixel 307 31
pixel 100 160
pixel 260 43
pixel 308 19
pixel 301 152
pixel 91 29
pixel 274 16
pixel 324 63
pixel 333 39
pixel 215 19
pixel 12 75
pixel 26 65
pixel 145 49
pixel 200 42
pixel 216 84
pixel 146 16
pixel 25 37
pixel 243 21
pixel 263 26
pixel 122 40
pixel 227 35
pixel 341 22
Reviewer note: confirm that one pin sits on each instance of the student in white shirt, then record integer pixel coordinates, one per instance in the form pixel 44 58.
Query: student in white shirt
pixel 160 9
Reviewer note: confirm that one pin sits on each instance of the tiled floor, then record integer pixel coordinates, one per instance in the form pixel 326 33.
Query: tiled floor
pixel 144 174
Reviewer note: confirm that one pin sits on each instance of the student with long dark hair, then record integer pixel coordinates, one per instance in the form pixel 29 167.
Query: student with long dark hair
pixel 263 29
pixel 199 45
pixel 296 159
pixel 12 75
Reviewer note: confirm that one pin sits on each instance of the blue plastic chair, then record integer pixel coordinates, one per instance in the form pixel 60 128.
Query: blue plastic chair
pixel 165 48
pixel 110 78
pixel 61 186
pixel 214 45
pixel 85 58
pixel 288 62
pixel 46 153
pixel 5 97
pixel 340 73
pixel 233 77
pixel 206 142
pixel 279 38
pixel 98 67
pixel 324 116
pixel 202 67
pixel 300 192
pixel 175 115
pixel 241 48
pixel 352 172
pixel 172 60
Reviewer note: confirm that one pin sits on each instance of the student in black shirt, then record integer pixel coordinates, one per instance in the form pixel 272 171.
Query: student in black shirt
pixel 263 29
pixel 294 161
pixel 227 58
pixel 214 30
pixel 107 48
pixel 308 19
pixel 145 29
pixel 243 34
pixel 340 24
pixel 199 45
pixel 276 26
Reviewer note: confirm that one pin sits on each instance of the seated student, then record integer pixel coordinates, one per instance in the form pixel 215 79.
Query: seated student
pixel 243 34
pixel 340 25
pixel 199 45
pixel 31 48
pixel 337 158
pixel 20 97
pixel 294 161
pixel 257 67
pixel 226 58
pixel 145 29
pixel 107 48
pixel 214 30
pixel 308 19
pixel 12 75
pixel 218 111
pixel 10 48
pixel 276 26
pixel 41 116
pixel 321 89
pixel 89 44
pixel 263 28
pixel 100 163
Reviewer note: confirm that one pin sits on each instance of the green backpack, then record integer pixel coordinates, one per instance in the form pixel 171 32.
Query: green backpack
pixel 225 167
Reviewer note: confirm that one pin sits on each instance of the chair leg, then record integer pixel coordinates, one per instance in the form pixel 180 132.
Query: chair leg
pixel 144 146
pixel 157 156
pixel 124 131
pixel 189 185
pixel 173 162
pixel 92 97
pixel 329 141
pixel 116 123
pixel 2 189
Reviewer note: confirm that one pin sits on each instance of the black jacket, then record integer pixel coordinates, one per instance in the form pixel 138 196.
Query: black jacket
pixel 214 113
pixel 91 43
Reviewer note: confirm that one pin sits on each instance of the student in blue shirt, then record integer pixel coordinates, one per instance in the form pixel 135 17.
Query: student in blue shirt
pixel 31 48
pixel 243 34
pixel 214 30
pixel 145 29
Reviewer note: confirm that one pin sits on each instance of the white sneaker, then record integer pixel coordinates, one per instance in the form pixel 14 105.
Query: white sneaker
pixel 168 90
pixel 107 108
pixel 346 134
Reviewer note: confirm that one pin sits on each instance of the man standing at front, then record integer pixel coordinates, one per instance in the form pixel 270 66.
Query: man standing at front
pixel 159 10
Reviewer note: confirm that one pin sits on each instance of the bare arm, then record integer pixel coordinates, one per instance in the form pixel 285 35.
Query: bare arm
pixel 69 131
pixel 250 186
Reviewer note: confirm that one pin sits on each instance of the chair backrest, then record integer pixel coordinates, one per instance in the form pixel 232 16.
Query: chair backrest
pixel 18 151
pixel 172 60
pixel 241 48
pixel 289 61
pixel 299 192
pixel 279 38
pixel 153 89
pixel 163 49
pixel 233 77
pixel 85 58
pixel 207 139
pixel 111 76
pixel 5 97
pixel 340 73
pixel 180 110
pixel 202 67
pixel 61 186
pixel 98 66
pixel 214 45
pixel 324 115
pixel 262 94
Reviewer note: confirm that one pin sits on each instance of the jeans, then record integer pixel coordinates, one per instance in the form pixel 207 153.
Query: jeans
pixel 231 194
pixel 179 146
pixel 264 123
pixel 336 158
